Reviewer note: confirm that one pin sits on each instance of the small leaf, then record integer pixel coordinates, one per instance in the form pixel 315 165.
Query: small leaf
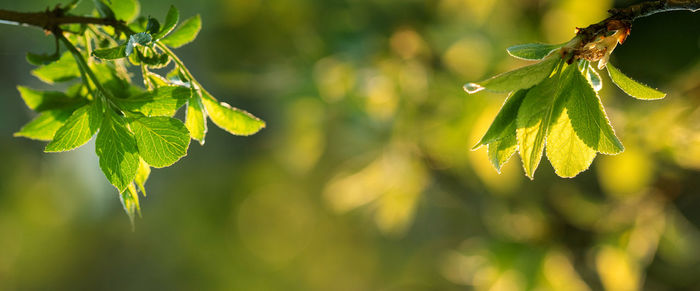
pixel 632 87
pixel 130 201
pixel 567 153
pixel 532 51
pixel 543 104
pixel 231 119
pixel 112 53
pixel 521 78
pixel 185 33
pixel 504 119
pixel 588 118
pixel 153 26
pixel 171 20
pixel 78 129
pixel 142 174
pixel 593 78
pixel 62 70
pixel 116 148
pixel 44 100
pixel 42 59
pixel 126 10
pixel 141 38
pixel 500 150
pixel 162 141
pixel 195 119
pixel 163 101
pixel 44 126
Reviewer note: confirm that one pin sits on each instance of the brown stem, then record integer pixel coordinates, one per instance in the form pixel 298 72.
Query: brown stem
pixel 50 19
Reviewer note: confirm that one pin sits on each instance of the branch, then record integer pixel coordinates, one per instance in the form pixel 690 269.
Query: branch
pixel 50 20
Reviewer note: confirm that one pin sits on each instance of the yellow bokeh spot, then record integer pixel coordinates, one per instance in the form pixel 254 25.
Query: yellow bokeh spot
pixel 626 174
pixel 469 57
pixel 617 271
pixel 334 78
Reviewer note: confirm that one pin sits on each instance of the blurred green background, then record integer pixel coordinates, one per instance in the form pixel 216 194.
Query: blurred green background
pixel 363 178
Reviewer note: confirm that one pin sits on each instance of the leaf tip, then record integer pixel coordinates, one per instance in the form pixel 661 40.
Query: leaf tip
pixel 472 88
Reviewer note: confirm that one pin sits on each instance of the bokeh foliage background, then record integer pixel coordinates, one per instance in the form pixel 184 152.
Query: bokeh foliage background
pixel 363 179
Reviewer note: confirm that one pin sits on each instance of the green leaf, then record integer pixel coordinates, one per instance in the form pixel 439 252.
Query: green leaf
pixel 521 78
pixel 153 26
pixel 231 119
pixel 588 118
pixel 162 141
pixel 185 33
pixel 195 119
pixel 116 148
pixel 532 51
pixel 44 126
pixel 44 100
pixel 543 104
pixel 163 101
pixel 142 174
pixel 112 53
pixel 171 20
pixel 126 10
pixel 78 129
pixel 42 59
pixel 632 87
pixel 593 78
pixel 504 119
pixel 500 150
pixel 103 9
pixel 568 154
pixel 62 70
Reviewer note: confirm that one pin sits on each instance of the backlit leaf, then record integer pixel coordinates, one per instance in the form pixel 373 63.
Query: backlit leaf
pixel 195 119
pixel 78 129
pixel 112 53
pixel 532 51
pixel 44 126
pixel 500 150
pixel 517 79
pixel 44 100
pixel 62 70
pixel 116 147
pixel 632 87
pixel 504 119
pixel 161 141
pixel 126 10
pixel 567 153
pixel 185 33
pixel 231 119
pixel 163 101
pixel 142 174
pixel 171 20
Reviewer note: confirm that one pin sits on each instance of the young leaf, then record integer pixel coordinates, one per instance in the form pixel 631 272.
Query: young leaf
pixel 44 100
pixel 195 119
pixel 171 20
pixel 500 150
pixel 163 101
pixel 593 78
pixel 632 87
pixel 44 126
pixel 142 176
pixel 231 119
pixel 185 33
pixel 162 141
pixel 141 38
pixel 62 70
pixel 78 129
pixel 504 119
pixel 130 202
pixel 521 78
pixel 112 53
pixel 543 104
pixel 116 148
pixel 532 51
pixel 588 118
pixel 567 153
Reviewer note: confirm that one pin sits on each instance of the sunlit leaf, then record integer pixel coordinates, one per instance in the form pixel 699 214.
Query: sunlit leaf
pixel 142 174
pixel 231 119
pixel 116 147
pixel 112 53
pixel 521 78
pixel 78 129
pixel 504 119
pixel 130 201
pixel 163 101
pixel 62 70
pixel 171 20
pixel 532 51
pixel 161 141
pixel 185 33
pixel 632 87
pixel 44 126
pixel 195 118
pixel 500 150
pixel 126 10
pixel 44 100
pixel 567 153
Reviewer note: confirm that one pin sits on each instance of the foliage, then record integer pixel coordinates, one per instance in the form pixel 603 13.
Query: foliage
pixel 135 128
pixel 555 108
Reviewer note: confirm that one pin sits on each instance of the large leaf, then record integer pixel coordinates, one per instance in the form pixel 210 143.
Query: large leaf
pixel 185 33
pixel 44 100
pixel 116 147
pixel 195 118
pixel 542 105
pixel 532 51
pixel 521 78
pixel 588 118
pixel 163 101
pixel 171 20
pixel 231 119
pixel 62 70
pixel 78 129
pixel 504 119
pixel 567 153
pixel 632 87
pixel 44 126
pixel 162 141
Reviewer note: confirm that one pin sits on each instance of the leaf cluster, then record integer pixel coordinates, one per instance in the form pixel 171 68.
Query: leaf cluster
pixel 553 109
pixel 135 126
